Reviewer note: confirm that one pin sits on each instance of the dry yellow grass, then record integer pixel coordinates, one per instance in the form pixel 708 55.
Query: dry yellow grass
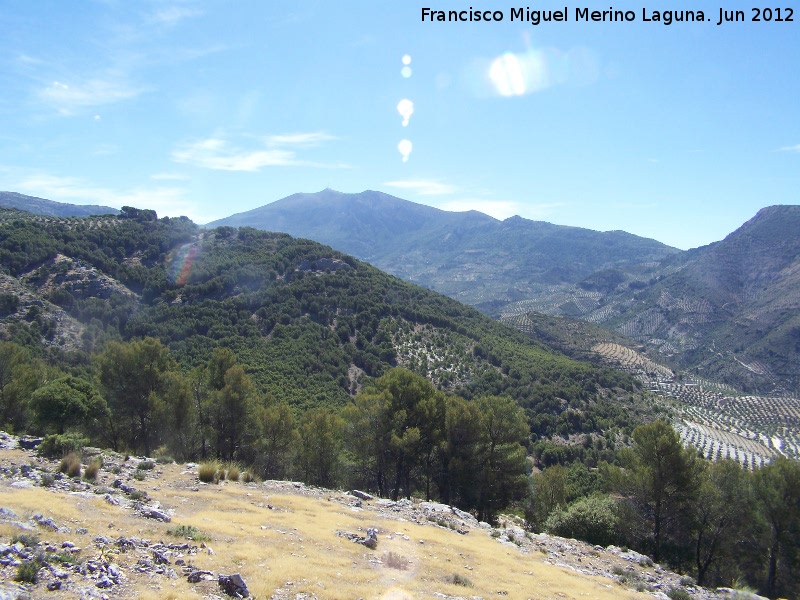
pixel 294 546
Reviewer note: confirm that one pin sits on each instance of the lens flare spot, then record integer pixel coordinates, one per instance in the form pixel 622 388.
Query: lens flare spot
pixel 405 72
pixel 539 69
pixel 405 147
pixel 507 75
pixel 406 108
pixel 179 263
pixel 406 59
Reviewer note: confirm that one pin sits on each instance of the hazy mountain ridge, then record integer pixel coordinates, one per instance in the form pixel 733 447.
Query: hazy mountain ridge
pixel 40 206
pixel 469 256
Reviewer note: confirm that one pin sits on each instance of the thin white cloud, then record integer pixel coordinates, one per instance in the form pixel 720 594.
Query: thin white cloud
pixel 166 201
pixel 790 148
pixel 29 60
pixel 171 15
pixel 69 98
pixel 220 155
pixel 314 138
pixel 423 187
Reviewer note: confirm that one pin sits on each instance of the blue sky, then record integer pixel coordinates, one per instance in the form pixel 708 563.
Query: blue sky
pixel 679 133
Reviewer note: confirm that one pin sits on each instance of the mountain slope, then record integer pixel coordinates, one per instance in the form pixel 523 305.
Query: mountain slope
pixel 729 311
pixel 468 256
pixel 40 206
pixel 309 322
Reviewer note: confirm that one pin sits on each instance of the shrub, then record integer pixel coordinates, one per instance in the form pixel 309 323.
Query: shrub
pixel 65 558
pixel 232 472
pixel 208 472
pixel 139 475
pixel 58 445
pixel 679 594
pixel 146 465
pixel 458 579
pixel 188 532
pixel 137 495
pixel 48 479
pixel 396 561
pixel 248 477
pixel 92 469
pixel 28 571
pixel 71 465
pixel 592 519
pixel 26 539
pixel 165 460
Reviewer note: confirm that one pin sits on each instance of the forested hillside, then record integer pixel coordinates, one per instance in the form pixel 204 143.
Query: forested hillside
pixel 308 325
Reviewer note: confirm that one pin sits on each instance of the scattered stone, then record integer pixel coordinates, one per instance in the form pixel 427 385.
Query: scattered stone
pixel 58 573
pixel 372 538
pixel 7 513
pixel 54 586
pixel 198 575
pixel 362 495
pixel 234 585
pixel 154 513
pixel 46 522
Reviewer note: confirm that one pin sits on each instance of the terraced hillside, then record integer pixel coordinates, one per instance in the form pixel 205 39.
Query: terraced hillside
pixel 716 419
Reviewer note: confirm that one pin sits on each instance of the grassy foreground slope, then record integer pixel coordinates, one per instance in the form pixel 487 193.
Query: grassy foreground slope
pixel 281 537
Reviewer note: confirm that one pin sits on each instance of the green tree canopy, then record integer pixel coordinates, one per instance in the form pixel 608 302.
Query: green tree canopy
pixel 133 377
pixel 68 402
